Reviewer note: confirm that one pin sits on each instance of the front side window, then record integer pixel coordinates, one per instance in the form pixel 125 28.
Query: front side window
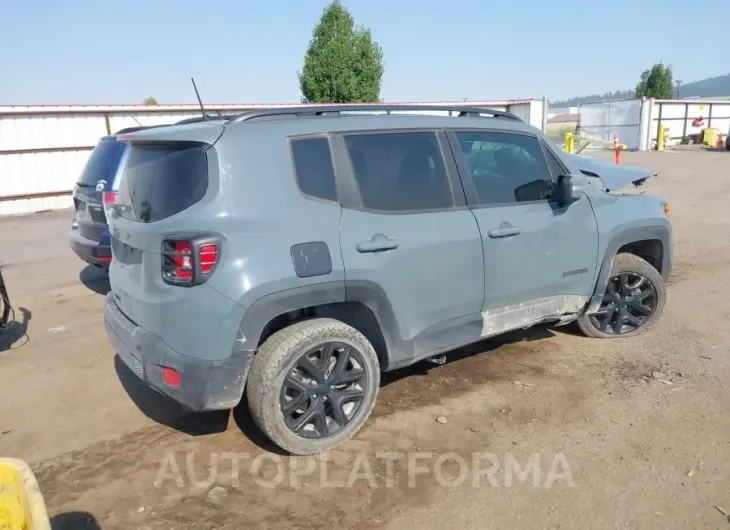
pixel 555 165
pixel 506 167
pixel 400 171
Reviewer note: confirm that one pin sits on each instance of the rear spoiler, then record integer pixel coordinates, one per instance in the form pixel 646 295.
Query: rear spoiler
pixel 203 132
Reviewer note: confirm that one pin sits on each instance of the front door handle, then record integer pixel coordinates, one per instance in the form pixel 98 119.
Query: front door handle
pixel 379 243
pixel 504 232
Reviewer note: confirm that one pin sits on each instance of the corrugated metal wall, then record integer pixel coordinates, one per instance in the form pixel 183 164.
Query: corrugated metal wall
pixel 43 149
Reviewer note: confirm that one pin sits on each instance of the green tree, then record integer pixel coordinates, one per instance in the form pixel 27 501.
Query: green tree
pixel 149 101
pixel 342 64
pixel 656 83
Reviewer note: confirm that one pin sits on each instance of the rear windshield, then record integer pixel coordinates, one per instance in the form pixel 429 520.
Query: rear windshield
pixel 160 181
pixel 102 163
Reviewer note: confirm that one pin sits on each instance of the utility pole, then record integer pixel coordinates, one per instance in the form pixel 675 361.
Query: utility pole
pixel 679 84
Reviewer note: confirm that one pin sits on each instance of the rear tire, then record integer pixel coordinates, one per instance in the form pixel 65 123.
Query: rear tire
pixel 289 374
pixel 627 268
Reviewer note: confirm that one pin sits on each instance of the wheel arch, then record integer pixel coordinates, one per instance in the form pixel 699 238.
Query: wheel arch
pixel 362 305
pixel 652 243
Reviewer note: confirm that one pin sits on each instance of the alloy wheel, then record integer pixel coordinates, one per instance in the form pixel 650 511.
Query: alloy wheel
pixel 629 301
pixel 324 390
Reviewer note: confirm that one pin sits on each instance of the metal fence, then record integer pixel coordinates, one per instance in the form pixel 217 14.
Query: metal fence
pixel 601 121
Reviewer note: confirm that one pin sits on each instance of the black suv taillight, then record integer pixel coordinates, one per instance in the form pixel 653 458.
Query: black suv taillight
pixel 189 260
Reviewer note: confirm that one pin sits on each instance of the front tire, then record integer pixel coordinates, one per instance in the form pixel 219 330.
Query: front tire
pixel 313 385
pixel 633 301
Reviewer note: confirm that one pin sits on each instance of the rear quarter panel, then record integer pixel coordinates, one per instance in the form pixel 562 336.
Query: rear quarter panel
pixel 262 213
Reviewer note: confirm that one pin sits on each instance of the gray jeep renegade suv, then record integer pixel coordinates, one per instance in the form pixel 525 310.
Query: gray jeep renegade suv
pixel 298 252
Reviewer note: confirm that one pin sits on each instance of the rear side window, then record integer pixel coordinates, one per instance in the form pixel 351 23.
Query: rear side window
pixel 313 167
pixel 160 181
pixel 400 171
pixel 102 163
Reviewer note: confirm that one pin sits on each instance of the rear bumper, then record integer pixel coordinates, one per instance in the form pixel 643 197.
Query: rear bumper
pixel 205 384
pixel 96 253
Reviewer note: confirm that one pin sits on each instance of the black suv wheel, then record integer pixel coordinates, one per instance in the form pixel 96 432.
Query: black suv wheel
pixel 633 301
pixel 313 385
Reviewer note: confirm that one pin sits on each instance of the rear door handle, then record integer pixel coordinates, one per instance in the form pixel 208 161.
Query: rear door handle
pixel 504 232
pixel 379 243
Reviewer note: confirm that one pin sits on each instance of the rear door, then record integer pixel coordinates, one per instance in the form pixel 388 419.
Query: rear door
pixel 100 174
pixel 539 256
pixel 407 235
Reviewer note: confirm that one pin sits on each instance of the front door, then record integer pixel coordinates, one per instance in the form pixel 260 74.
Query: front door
pixel 539 257
pixel 406 238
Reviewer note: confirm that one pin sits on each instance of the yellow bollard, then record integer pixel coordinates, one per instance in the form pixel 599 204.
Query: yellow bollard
pixel 569 142
pixel 660 139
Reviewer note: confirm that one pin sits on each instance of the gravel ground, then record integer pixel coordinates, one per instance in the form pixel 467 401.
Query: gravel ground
pixel 537 429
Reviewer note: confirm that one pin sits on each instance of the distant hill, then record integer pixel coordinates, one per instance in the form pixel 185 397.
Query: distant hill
pixel 705 88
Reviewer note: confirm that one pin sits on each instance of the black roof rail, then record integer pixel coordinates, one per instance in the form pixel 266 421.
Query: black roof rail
pixel 319 110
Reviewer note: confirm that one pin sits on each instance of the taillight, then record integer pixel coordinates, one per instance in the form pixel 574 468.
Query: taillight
pixel 110 197
pixel 208 257
pixel 183 261
pixel 189 261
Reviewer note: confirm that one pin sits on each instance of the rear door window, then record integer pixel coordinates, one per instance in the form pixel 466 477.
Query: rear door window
pixel 400 171
pixel 162 180
pixel 102 163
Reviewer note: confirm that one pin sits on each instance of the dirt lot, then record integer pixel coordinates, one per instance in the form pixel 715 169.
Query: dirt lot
pixel 622 434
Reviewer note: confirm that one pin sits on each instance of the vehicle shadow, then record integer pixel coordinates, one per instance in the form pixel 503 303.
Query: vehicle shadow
pixel 245 423
pixel 15 334
pixel 165 411
pixel 405 376
pixel 484 347
pixel 96 279
pixel 74 521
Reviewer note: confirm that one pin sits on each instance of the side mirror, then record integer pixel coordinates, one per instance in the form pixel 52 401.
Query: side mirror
pixel 570 188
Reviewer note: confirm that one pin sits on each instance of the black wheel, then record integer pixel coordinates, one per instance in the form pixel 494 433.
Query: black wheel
pixel 313 385
pixel 633 301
